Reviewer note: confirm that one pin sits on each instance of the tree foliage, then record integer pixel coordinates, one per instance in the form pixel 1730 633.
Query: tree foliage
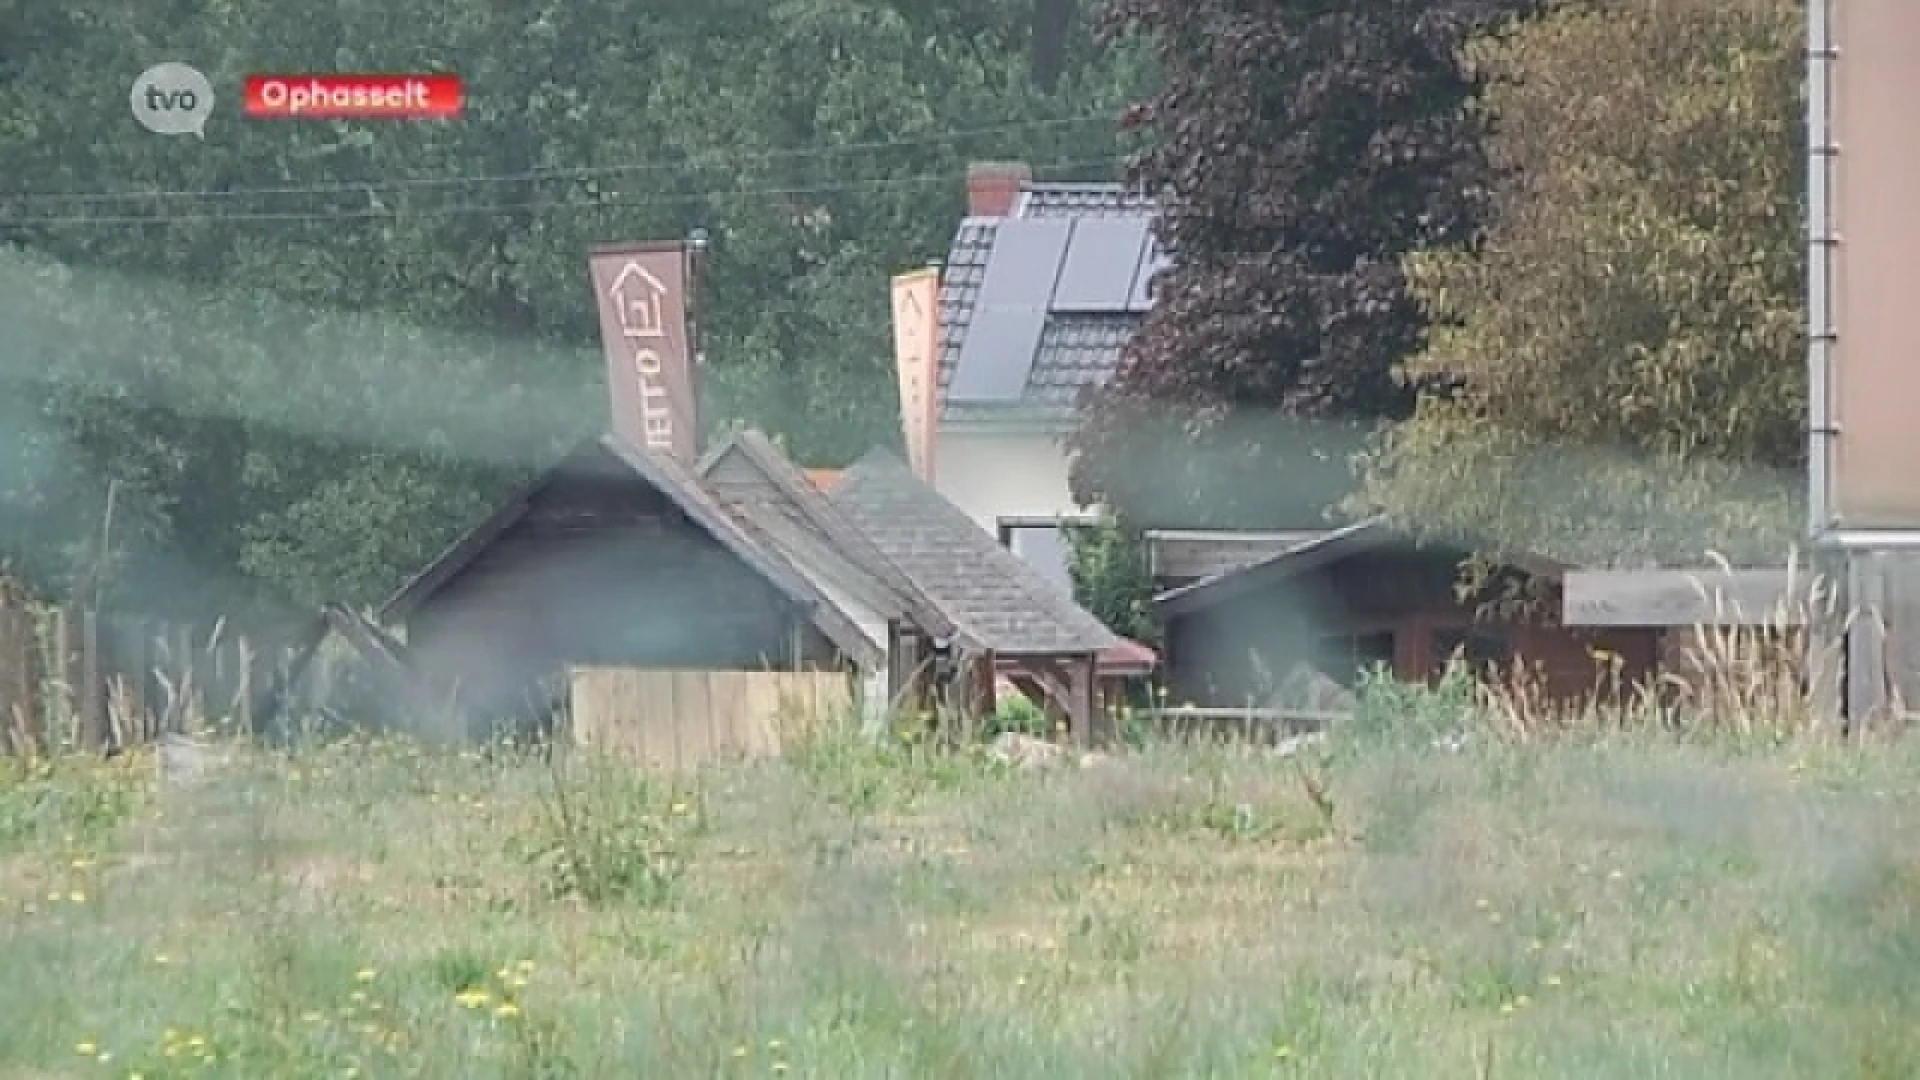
pixel 1113 578
pixel 1630 333
pixel 305 353
pixel 1302 149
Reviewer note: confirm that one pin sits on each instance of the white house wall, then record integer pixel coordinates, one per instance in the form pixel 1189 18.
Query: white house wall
pixel 995 476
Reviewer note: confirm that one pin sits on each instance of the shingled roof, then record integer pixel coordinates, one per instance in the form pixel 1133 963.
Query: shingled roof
pixel 991 595
pixel 1073 348
pixel 777 503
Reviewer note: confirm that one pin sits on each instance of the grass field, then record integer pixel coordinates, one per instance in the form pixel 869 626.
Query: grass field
pixel 1632 908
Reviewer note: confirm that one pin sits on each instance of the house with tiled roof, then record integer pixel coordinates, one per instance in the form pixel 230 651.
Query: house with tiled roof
pixel 1042 287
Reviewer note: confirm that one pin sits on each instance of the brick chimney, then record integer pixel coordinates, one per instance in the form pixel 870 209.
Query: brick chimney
pixel 994 186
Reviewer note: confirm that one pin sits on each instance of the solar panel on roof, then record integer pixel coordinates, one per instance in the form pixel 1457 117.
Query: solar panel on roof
pixel 1010 311
pixel 1102 255
pixel 1152 261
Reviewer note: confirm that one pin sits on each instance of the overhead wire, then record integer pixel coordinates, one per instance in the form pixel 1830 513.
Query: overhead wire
pixel 698 162
pixel 409 211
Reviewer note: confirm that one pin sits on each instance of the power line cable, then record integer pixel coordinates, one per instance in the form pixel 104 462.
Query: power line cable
pixel 585 172
pixel 459 209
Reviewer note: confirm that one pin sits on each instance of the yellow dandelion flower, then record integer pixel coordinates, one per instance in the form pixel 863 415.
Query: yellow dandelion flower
pixel 197 1042
pixel 82 864
pixel 1553 980
pixel 677 808
pixel 776 1045
pixel 1522 1001
pixel 739 1051
pixel 507 1010
pixel 366 974
pixel 1283 1051
pixel 473 999
pixel 1506 1007
pixel 77 896
pixel 162 959
pixel 86 1048
pixel 170 1035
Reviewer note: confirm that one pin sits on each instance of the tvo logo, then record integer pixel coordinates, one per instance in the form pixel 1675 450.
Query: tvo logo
pixel 172 99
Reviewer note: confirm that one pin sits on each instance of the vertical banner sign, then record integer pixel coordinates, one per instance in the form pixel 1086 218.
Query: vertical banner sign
pixel 641 291
pixel 1876 352
pixel 916 345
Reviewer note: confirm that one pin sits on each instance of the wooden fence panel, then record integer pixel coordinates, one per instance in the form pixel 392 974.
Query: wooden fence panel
pixel 680 720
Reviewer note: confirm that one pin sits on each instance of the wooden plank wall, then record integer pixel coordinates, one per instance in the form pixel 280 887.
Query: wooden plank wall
pixel 681 720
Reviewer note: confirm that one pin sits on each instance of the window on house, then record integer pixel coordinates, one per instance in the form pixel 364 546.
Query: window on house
pixel 1482 652
pixel 1346 656
pixel 1047 546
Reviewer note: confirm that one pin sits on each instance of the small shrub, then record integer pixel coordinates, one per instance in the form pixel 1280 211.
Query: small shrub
pixel 605 833
pixel 73 800
pixel 1389 710
pixel 1018 716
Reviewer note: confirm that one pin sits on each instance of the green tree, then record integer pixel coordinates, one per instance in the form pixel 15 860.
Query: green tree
pixel 1630 332
pixel 1113 578
pixel 304 354
pixel 1301 149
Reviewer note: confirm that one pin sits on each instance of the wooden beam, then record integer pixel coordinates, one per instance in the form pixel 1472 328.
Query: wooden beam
pixel 1706 597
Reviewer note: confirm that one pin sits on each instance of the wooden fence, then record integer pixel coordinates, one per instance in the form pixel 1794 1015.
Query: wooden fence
pixel 677 720
pixel 79 679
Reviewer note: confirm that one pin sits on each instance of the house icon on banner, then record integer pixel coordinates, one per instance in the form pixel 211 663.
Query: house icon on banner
pixel 637 295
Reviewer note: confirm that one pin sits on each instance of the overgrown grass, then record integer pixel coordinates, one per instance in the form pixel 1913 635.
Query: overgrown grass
pixel 1622 905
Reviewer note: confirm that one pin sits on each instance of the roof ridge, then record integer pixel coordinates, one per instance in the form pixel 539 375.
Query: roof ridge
pixel 837 528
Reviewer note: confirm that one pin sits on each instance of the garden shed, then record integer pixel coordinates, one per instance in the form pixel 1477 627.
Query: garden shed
pixel 1344 599
pixel 784 510
pixel 612 558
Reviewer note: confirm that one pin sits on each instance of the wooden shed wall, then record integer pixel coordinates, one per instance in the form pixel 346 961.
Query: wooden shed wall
pixel 1398 607
pixel 604 574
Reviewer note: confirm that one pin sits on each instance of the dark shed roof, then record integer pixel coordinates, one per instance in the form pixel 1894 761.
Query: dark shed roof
pixel 991 595
pixel 1312 553
pixel 679 487
pixel 1317 551
pixel 1050 350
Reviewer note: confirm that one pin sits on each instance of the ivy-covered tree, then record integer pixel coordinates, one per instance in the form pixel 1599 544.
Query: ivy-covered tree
pixel 1302 149
pixel 1631 333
